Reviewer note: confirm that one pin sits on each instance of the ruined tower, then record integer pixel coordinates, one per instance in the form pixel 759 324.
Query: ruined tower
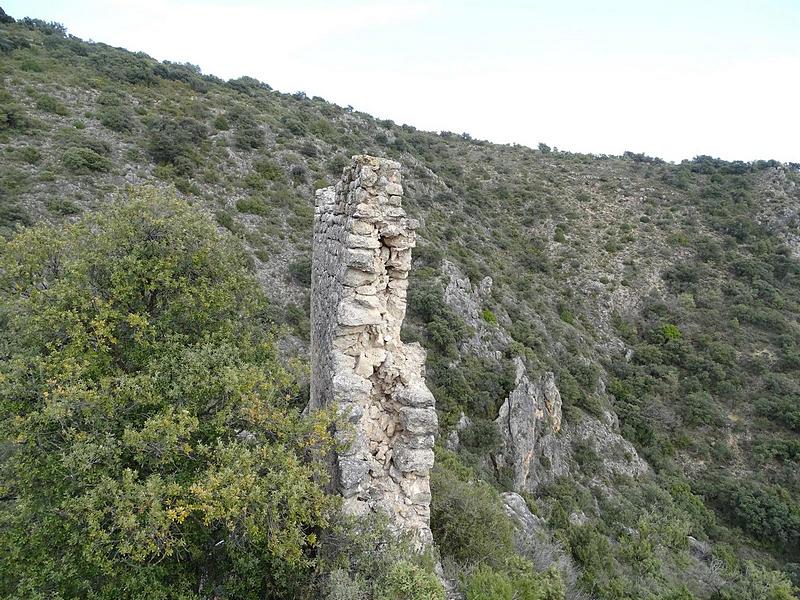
pixel 359 278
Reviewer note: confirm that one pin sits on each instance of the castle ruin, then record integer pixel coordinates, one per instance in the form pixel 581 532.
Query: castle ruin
pixel 360 266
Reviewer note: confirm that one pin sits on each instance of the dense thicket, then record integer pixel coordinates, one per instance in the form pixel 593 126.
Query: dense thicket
pixel 153 445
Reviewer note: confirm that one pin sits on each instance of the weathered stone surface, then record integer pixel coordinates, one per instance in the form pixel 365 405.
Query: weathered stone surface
pixel 517 509
pixel 418 421
pixel 415 395
pixel 524 417
pixel 538 447
pixel 361 258
pixel 413 460
pixel 453 439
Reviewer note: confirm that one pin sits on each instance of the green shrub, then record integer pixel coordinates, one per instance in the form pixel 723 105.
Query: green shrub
pixel 566 316
pixel 268 170
pixel 669 331
pixel 12 115
pixel 336 165
pixel 294 126
pixel 254 205
pixel 520 582
pixel 407 581
pixel 489 316
pixel 341 586
pixel 51 105
pixel 11 214
pixel 769 512
pixel 467 516
pixel 247 133
pixel 117 118
pixel 69 137
pixel 28 154
pixel 61 206
pixel 298 317
pixel 31 66
pixel 226 220
pixel 152 333
pixel 487 584
pixel 221 123
pixel 176 142
pixel 482 436
pixel 300 271
pixel 361 558
pixel 85 160
pixel 443 327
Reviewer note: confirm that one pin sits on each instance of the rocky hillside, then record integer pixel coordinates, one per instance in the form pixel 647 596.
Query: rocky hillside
pixel 613 341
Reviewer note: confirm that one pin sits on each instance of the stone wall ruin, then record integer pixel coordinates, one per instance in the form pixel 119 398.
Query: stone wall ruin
pixel 360 265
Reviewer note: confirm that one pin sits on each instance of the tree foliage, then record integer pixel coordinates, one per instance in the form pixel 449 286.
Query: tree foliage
pixel 151 442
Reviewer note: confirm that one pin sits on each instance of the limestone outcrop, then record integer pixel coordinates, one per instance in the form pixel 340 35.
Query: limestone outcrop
pixel 532 409
pixel 536 447
pixel 360 265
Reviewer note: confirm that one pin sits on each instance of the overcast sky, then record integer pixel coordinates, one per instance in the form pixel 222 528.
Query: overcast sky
pixel 671 78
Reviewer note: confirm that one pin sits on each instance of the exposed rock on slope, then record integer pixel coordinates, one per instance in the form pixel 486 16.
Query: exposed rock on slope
pixel 530 411
pixel 535 447
pixel 468 302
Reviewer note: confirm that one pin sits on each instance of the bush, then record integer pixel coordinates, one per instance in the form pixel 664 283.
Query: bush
pixel 85 160
pixel 253 206
pixel 11 214
pixel 29 155
pixel 189 464
pixel 300 271
pixel 336 165
pixel 517 583
pixel 444 329
pixel 407 581
pixel 221 123
pixel 467 516
pixel 487 584
pixel 268 170
pixel 117 118
pixel 362 559
pixel 12 115
pixel 768 512
pixel 61 206
pixel 175 142
pixel 482 436
pixel 51 105
pixel 341 586
pixel 247 133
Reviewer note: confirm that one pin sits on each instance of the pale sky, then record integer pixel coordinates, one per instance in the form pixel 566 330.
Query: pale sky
pixel 671 78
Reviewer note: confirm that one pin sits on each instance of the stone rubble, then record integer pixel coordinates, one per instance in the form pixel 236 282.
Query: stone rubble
pixel 360 265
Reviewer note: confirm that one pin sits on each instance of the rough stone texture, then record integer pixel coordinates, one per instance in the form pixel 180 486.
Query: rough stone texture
pixel 531 410
pixel 361 259
pixel 517 510
pixel 537 449
pixel 468 301
pixel 453 440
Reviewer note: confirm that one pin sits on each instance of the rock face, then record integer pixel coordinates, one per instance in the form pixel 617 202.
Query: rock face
pixel 361 259
pixel 468 301
pixel 537 448
pixel 531 410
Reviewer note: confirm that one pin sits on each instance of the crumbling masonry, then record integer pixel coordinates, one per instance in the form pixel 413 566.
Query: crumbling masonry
pixel 361 260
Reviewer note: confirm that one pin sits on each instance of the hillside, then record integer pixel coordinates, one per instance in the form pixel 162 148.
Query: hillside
pixel 664 298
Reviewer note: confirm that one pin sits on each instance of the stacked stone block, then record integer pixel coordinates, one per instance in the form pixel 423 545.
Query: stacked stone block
pixel 361 260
